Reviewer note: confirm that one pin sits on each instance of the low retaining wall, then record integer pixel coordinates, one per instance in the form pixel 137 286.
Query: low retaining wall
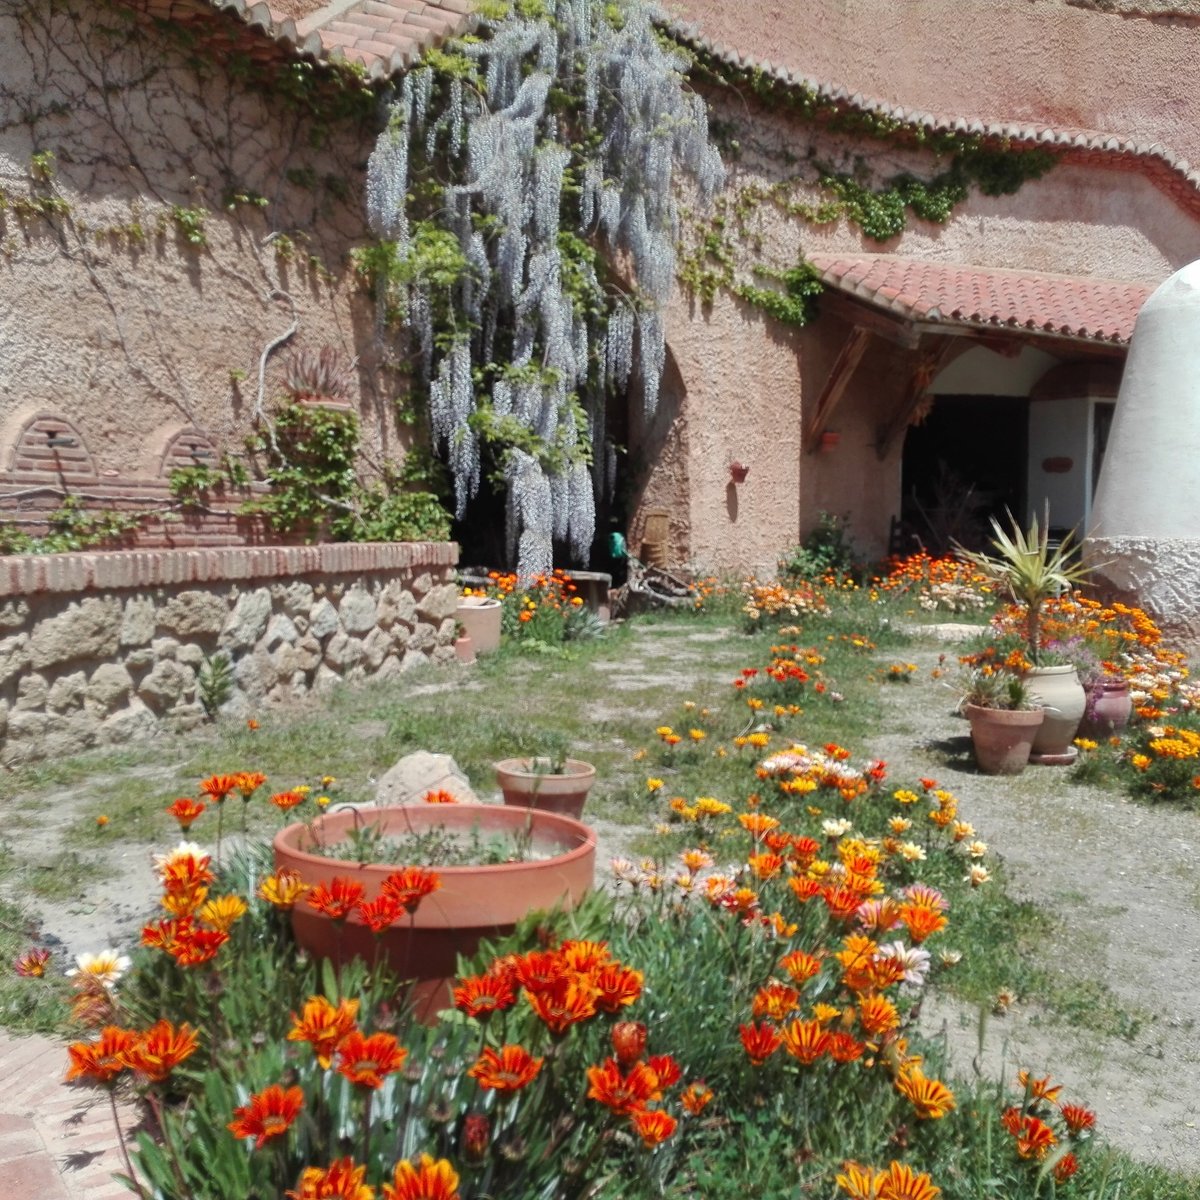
pixel 99 649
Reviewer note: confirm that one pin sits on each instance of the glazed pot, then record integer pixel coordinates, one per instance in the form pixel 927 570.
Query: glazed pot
pixel 1059 691
pixel 1003 737
pixel 479 617
pixel 472 903
pixel 1110 706
pixel 529 783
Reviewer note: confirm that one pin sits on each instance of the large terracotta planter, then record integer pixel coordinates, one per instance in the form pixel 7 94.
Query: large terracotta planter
pixel 1003 737
pixel 525 786
pixel 472 903
pixel 480 618
pixel 1059 691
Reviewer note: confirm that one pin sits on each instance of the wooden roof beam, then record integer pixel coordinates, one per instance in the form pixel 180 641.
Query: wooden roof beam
pixel 840 374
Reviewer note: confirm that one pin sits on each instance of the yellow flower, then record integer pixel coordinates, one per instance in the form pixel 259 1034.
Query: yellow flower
pixel 1139 761
pixel 697 735
pixel 221 913
pixel 653 785
pixel 1086 743
pixel 904 796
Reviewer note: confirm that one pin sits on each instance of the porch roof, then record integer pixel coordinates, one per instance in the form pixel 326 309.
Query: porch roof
pixel 945 295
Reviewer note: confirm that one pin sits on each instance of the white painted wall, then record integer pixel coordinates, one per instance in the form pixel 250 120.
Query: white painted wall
pixel 983 372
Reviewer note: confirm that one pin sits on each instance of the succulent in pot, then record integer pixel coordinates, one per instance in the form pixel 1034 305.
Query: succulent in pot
pixel 1004 720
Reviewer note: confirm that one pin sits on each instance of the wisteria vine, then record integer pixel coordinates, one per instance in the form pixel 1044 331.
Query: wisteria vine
pixel 525 189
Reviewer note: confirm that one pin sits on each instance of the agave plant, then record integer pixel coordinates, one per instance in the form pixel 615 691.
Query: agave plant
pixel 1031 568
pixel 319 375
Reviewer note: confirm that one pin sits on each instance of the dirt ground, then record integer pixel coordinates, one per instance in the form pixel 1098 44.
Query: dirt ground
pixel 1122 879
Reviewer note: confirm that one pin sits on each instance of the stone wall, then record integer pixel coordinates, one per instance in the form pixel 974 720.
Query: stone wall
pixel 100 649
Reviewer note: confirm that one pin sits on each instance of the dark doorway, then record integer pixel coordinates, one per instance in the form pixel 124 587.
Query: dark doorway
pixel 962 466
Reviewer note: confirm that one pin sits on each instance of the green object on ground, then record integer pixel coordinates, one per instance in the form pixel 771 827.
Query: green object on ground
pixel 617 547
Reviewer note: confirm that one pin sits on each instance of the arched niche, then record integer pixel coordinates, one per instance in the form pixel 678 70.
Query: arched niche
pixel 187 447
pixel 50 444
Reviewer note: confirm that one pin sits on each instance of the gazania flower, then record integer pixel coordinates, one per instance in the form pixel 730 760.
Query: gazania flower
pixel 32 964
pixel 628 1041
pixel 366 1060
pixel 505 1070
pixel 185 810
pixel 565 1003
pixel 103 1060
pixel 217 787
pixel 901 1182
pixel 696 1098
pixel 193 947
pixel 616 986
pixel 223 913
pixel 269 1114
pixel 584 956
pixel 759 1041
pixel 805 1041
pixel 844 1047
pixel 158 1051
pixel 381 913
pixel 104 968
pixel 653 1126
pixel 1040 1089
pixel 1065 1167
pixel 186 864
pixel 776 1001
pixel 1034 1137
pixel 323 1026
pixel 430 1180
pixel 931 1099
pixel 859 1182
pixel 921 921
pixel 620 1092
pixel 539 969
pixel 248 782
pixel 1078 1118
pixel 408 887
pixel 337 899
pixel 282 889
pixel 877 1015
pixel 286 801
pixel 481 995
pixel 342 1180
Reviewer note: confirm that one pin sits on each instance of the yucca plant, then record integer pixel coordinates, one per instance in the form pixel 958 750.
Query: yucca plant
pixel 1031 568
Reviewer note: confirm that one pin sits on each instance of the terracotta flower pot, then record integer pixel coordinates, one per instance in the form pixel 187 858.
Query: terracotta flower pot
pixel 480 618
pixel 525 786
pixel 464 650
pixel 472 903
pixel 1059 691
pixel 1110 706
pixel 1003 737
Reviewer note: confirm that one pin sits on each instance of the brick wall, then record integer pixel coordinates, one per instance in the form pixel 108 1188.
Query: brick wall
pixel 97 649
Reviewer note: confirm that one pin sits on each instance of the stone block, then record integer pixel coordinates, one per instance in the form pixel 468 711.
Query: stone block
pixel 130 724
pixel 343 652
pixel 69 733
pixel 254 675
pixel 164 648
pixel 325 680
pixel 32 693
pixel 308 653
pixel 443 655
pixel 323 619
pixel 90 628
pixel 423 639
pixel 109 685
pixel 297 599
pixel 438 603
pixel 190 655
pixel 412 777
pixel 138 621
pixel 14 655
pixel 193 614
pixel 447 632
pixel 248 621
pixel 13 614
pixel 280 631
pixel 357 611
pixel 376 647
pixel 166 685
pixel 67 692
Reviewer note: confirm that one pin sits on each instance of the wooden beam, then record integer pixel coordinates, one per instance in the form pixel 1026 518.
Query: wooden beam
pixel 865 316
pixel 840 374
pixel 929 362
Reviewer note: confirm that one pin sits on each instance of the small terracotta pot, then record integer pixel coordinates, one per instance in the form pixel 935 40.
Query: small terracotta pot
pixel 464 650
pixel 472 903
pixel 1003 737
pixel 524 786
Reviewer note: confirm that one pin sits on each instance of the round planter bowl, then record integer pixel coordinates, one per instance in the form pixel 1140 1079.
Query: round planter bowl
pixel 1003 737
pixel 1058 689
pixel 472 903
pixel 564 793
pixel 480 618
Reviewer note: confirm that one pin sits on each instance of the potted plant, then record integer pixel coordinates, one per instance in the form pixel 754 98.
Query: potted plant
pixel 479 869
pixel 549 782
pixel 1004 720
pixel 1033 570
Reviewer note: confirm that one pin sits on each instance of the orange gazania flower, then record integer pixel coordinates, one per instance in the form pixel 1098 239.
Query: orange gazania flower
pixel 185 810
pixel 584 956
pixel 1034 1137
pixel 337 899
pixel 1065 1167
pixel 859 1182
pixel 323 1026
pixel 844 1047
pixel 430 1180
pixel 616 986
pixel 223 912
pixel 696 1098
pixel 805 1041
pixel 759 1041
pixel 285 801
pixel 282 889
pixel 217 787
pixel 566 1002
pixel 757 824
pixel 901 1182
pixel 381 913
pixel 366 1060
pixel 931 1099
pixel 628 1041
pixel 1077 1117
pixel 342 1180
pixel 622 1093
pixel 765 866
pixel 269 1114
pixel 921 921
pixel 409 886
pixel 32 964
pixel 505 1070
pixel 877 1015
pixel 538 970
pixel 653 1126
pixel 776 1001
pixel 248 782
pixel 1040 1089
pixel 480 995
pixel 193 947
pixel 158 1051
pixel 103 1060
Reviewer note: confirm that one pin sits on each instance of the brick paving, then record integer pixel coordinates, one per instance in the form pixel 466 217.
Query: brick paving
pixel 57 1142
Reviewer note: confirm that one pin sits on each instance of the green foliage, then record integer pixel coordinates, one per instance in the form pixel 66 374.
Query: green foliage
pixel 191 485
pixel 214 682
pixel 42 165
pixel 827 553
pixel 796 304
pixel 388 513
pixel 71 526
pixel 189 223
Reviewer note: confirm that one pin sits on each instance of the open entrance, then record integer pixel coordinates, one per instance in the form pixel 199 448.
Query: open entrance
pixel 964 464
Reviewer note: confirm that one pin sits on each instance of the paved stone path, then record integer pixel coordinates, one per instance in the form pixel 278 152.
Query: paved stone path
pixel 56 1142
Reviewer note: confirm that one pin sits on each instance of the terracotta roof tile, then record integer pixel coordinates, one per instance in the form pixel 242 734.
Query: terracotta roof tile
pixel 1067 306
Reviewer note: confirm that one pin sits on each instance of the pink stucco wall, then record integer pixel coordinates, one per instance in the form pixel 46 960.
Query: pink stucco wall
pixel 1004 60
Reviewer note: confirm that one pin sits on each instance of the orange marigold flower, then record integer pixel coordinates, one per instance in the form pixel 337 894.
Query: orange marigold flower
pixel 185 810
pixel 505 1070
pixel 269 1114
pixel 103 1060
pixel 696 1098
pixel 158 1051
pixel 323 1026
pixel 901 1182
pixel 217 787
pixel 616 986
pixel 930 1098
pixel 805 1041
pixel 759 1041
pixel 337 899
pixel 621 1092
pixel 409 886
pixel 564 1003
pixel 282 889
pixel 1077 1117
pixel 653 1126
pixel 481 995
pixel 342 1180
pixel 877 1015
pixel 430 1180
pixel 628 1041
pixel 366 1060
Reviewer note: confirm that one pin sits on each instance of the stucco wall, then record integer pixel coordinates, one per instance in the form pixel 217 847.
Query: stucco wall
pixel 111 318
pixel 99 649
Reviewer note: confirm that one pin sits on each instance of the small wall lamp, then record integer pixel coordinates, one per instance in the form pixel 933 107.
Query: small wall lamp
pixel 738 472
